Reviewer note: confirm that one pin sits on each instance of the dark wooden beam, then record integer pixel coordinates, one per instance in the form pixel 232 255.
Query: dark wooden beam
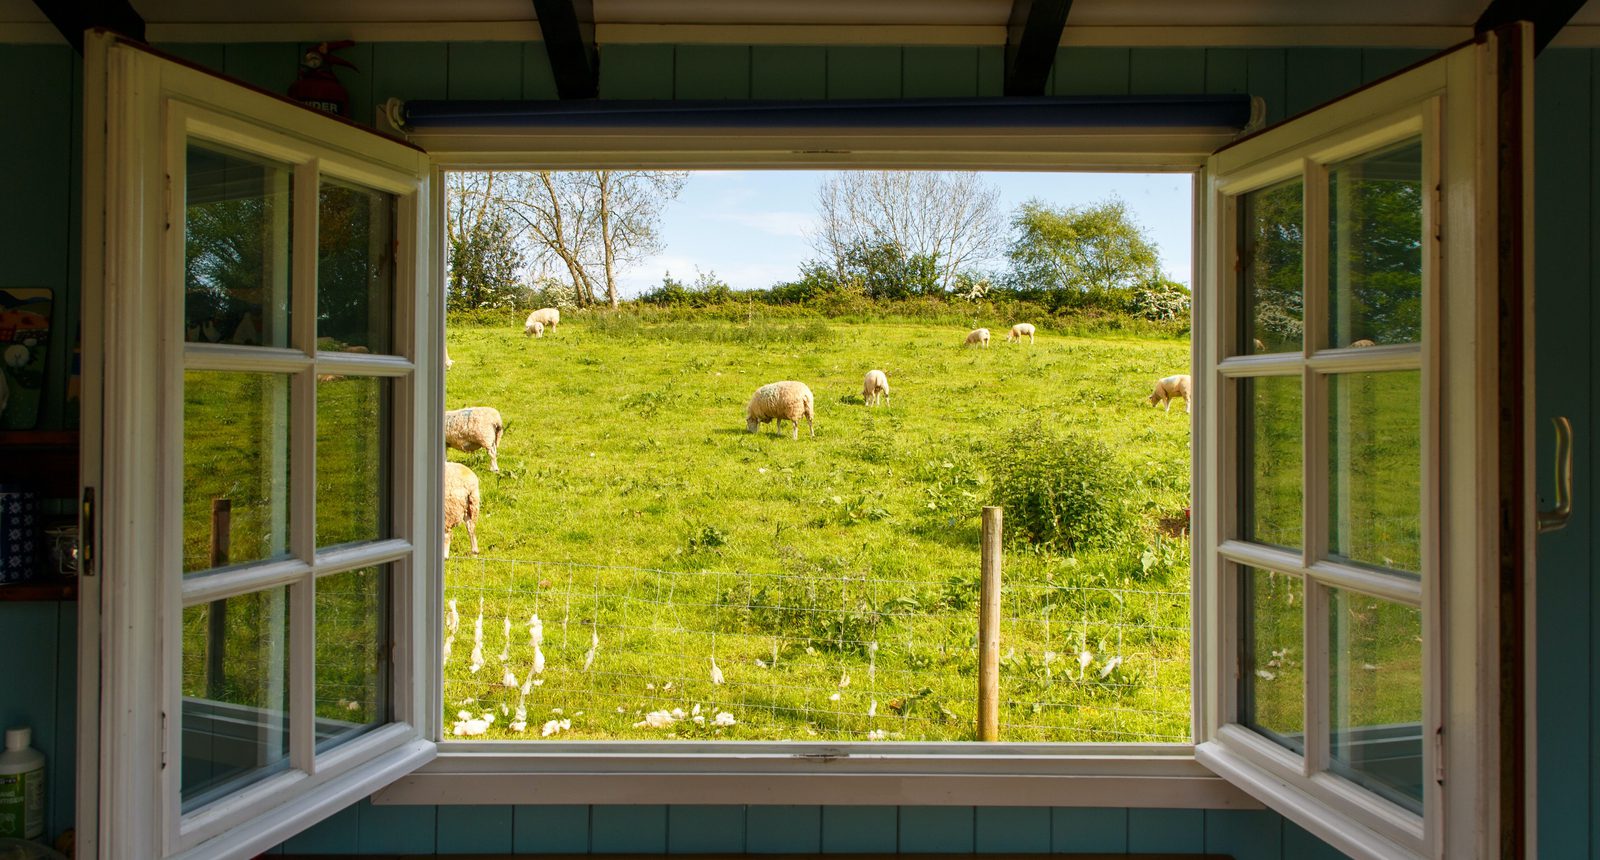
pixel 1547 17
pixel 72 17
pixel 568 28
pixel 1032 36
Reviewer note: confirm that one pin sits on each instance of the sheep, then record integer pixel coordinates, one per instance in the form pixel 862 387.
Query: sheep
pixel 1362 343
pixel 875 388
pixel 978 335
pixel 544 317
pixel 1260 345
pixel 461 504
pixel 1170 388
pixel 534 328
pixel 1018 331
pixel 475 427
pixel 778 402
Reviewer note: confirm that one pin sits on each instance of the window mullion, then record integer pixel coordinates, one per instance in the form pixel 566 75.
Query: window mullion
pixel 303 489
pixel 1315 441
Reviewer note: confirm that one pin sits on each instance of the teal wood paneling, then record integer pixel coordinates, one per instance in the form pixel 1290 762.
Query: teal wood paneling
pixel 1088 829
pixel 1244 834
pixel 207 55
pixel 410 70
pixel 1318 75
pixel 930 71
pixel 936 830
pixel 64 770
pixel 1167 71
pixel 1227 70
pixel 636 71
pixel 711 72
pixel 1301 845
pixel 339 833
pixel 1264 68
pixel 788 72
pixel 860 829
pixel 270 66
pixel 705 829
pixel 474 829
pixel 628 829
pixel 551 829
pixel 404 830
pixel 992 71
pixel 1378 62
pixel 783 830
pixel 30 695
pixel 1011 830
pixel 1586 510
pixel 1090 72
pixel 1170 831
pixel 538 81
pixel 485 70
pixel 857 72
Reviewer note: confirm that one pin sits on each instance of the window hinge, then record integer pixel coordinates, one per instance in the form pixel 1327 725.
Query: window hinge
pixel 163 740
pixel 1438 755
pixel 86 557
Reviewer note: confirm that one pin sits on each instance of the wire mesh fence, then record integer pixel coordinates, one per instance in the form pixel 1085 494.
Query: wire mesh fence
pixel 538 649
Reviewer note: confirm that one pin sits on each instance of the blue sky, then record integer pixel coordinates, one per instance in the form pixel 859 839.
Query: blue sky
pixel 750 226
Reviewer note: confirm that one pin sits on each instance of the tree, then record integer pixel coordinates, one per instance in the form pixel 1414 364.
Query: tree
pixel 1086 249
pixel 486 265
pixel 951 219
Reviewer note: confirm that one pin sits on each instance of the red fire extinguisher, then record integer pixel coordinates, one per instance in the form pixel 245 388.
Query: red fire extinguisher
pixel 318 87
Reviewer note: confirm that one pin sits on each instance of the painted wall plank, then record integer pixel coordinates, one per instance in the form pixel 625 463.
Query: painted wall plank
pixel 409 70
pixel 1301 845
pixel 208 55
pixel 64 765
pixel 1318 75
pixel 272 66
pixel 1265 71
pixel 1090 72
pixel 538 81
pixel 857 72
pixel 860 829
pixel 1173 831
pixel 485 70
pixel 1592 473
pixel 559 829
pixel 474 829
pixel 936 830
pixel 636 71
pixel 1012 830
pixel 638 829
pixel 1167 71
pixel 1245 834
pixel 992 71
pixel 1088 829
pixel 697 829
pixel 712 72
pixel 930 71
pixel 406 830
pixel 33 216
pixel 336 834
pixel 788 72
pixel 28 632
pixel 783 830
pixel 1378 62
pixel 1227 70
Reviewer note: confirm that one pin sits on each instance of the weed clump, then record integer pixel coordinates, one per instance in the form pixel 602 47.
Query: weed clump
pixel 1063 491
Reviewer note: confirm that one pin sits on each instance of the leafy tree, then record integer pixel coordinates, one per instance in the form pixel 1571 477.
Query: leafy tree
pixel 883 270
pixel 1084 249
pixel 485 264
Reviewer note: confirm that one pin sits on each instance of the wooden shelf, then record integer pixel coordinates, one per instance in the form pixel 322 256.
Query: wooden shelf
pixel 43 588
pixel 46 460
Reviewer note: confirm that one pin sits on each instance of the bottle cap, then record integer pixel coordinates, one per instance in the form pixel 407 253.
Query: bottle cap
pixel 18 739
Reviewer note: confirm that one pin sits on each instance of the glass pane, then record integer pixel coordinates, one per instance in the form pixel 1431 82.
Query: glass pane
pixel 236 248
pixel 352 643
pixel 1375 248
pixel 1375 473
pixel 1271 459
pixel 1271 265
pixel 1375 695
pixel 352 459
pixel 1272 646
pixel 355 268
pixel 235 468
pixel 235 693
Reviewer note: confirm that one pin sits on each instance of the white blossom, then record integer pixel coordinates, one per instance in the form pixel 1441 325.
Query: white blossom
pixel 1264 675
pixel 452 618
pixel 872 709
pixel 535 631
pixel 655 720
pixel 723 718
pixel 834 697
pixel 716 674
pixel 554 726
pixel 1084 659
pixel 844 680
pixel 877 735
pixel 509 679
pixel 1110 667
pixel 505 650
pixel 594 645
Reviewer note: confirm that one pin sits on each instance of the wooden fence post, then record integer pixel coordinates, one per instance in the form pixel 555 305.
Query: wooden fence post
pixel 217 619
pixel 989 629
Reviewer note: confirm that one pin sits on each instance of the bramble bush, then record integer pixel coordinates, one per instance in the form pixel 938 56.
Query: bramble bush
pixel 1063 491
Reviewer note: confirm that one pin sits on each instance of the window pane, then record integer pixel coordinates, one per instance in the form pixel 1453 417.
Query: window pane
pixel 1375 474
pixel 1271 459
pixel 1272 646
pixel 1271 265
pixel 352 643
pixel 355 268
pixel 1375 248
pixel 352 459
pixel 236 248
pixel 235 694
pixel 1375 695
pixel 235 468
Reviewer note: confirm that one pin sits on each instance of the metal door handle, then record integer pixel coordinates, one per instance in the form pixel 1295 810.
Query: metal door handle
pixel 1556 518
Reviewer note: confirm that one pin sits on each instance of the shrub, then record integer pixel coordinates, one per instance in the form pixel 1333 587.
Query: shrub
pixel 1160 301
pixel 1061 491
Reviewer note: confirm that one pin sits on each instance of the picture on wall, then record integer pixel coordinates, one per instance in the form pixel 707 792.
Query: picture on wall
pixel 24 343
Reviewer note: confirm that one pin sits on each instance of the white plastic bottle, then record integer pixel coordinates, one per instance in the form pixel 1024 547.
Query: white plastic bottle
pixel 21 786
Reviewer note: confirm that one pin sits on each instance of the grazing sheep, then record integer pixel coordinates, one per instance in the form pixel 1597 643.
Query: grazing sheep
pixel 534 328
pixel 461 504
pixel 1170 388
pixel 1260 345
pixel 778 402
pixel 1020 330
pixel 542 317
pixel 875 388
pixel 1363 342
pixel 978 335
pixel 475 427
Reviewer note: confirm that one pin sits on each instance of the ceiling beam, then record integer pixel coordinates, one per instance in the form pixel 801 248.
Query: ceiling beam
pixel 568 28
pixel 72 17
pixel 1032 36
pixel 1547 17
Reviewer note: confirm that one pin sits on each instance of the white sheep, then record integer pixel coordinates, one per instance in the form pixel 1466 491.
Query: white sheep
pixel 475 427
pixel 461 504
pixel 1170 388
pixel 1019 331
pixel 778 402
pixel 1362 343
pixel 875 388
pixel 978 335
pixel 539 320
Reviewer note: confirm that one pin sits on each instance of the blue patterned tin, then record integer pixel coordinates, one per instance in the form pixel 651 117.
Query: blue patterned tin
pixel 19 534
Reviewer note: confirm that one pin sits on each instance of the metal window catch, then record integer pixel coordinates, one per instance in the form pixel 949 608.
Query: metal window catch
pixel 1556 518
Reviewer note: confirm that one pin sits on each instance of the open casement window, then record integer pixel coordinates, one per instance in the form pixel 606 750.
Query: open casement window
pixel 1347 391
pixel 259 295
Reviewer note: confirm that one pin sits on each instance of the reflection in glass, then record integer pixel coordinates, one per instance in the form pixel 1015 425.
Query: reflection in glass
pixel 1272 647
pixel 1375 248
pixel 352 641
pixel 235 468
pixel 1271 460
pixel 236 248
pixel 352 458
pixel 1375 695
pixel 235 694
pixel 1375 468
pixel 1271 266
pixel 355 268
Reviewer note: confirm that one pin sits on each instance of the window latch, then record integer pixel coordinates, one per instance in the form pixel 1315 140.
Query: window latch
pixel 86 534
pixel 1556 518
